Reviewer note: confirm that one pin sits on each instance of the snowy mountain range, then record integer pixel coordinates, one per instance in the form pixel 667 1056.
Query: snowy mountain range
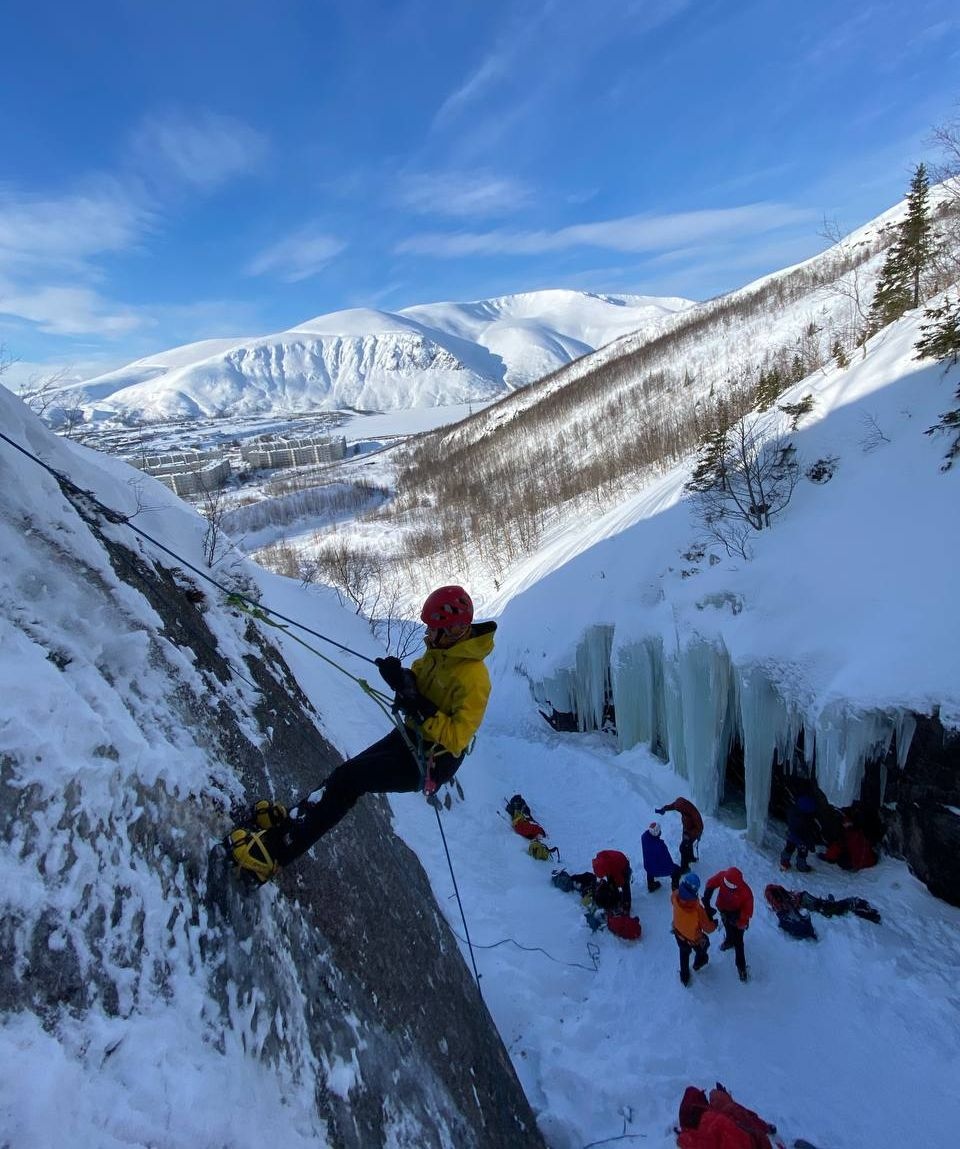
pixel 362 359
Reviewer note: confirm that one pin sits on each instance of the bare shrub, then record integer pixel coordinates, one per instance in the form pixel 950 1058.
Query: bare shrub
pixel 741 481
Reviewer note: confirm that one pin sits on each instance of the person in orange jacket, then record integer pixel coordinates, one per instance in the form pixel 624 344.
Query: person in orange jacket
pixel 691 925
pixel 691 831
pixel 735 903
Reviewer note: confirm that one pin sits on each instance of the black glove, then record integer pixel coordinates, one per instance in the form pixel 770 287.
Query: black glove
pixel 658 810
pixel 415 705
pixel 393 673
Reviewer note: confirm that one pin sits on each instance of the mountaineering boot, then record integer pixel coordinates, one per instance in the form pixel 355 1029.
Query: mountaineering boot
pixel 267 814
pixel 250 853
pixel 725 945
pixel 700 961
pixel 684 978
pixel 653 886
pixel 803 867
pixel 744 974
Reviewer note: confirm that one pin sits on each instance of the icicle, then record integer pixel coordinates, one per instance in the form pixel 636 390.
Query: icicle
pixel 637 684
pixel 585 690
pixel 555 691
pixel 905 729
pixel 673 716
pixel 592 677
pixel 769 727
pixel 705 684
pixel 846 742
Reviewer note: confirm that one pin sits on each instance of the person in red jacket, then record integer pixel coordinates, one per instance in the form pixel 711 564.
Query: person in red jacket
pixel 735 903
pixel 692 829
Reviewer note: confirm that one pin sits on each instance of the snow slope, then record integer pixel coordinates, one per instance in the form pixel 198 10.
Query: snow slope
pixel 437 354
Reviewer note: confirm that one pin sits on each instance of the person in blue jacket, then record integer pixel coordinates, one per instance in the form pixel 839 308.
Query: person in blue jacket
pixel 802 832
pixel 657 861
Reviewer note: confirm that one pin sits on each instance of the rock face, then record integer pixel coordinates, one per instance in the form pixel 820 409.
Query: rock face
pixel 925 827
pixel 346 976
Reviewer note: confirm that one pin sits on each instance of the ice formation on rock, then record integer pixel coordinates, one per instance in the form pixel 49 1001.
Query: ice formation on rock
pixel 691 704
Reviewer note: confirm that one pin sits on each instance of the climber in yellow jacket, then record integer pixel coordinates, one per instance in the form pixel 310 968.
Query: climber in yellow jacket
pixel 442 698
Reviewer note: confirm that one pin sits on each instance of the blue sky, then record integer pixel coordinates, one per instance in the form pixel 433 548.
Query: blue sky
pixel 176 171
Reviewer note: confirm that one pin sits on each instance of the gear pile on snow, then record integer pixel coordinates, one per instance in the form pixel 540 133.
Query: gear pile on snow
pixel 605 891
pixel 524 824
pixel 792 909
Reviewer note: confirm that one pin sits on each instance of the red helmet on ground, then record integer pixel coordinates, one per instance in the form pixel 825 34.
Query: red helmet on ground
pixel 447 606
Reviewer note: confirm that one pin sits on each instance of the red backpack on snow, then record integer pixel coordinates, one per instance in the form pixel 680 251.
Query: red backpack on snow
pixel 522 819
pixel 720 1123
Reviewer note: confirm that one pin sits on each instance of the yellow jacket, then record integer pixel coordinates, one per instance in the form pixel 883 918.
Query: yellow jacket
pixel 457 683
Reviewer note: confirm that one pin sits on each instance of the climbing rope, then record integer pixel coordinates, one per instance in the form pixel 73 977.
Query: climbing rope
pixel 267 615
pixel 463 917
pixel 593 952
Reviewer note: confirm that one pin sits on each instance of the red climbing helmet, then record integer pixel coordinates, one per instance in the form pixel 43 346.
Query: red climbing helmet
pixel 447 606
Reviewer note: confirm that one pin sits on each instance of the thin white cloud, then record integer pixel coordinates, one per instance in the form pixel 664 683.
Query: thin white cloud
pixel 202 149
pixel 638 233
pixel 48 251
pixel 298 256
pixel 68 311
pixel 461 194
pixel 485 77
pixel 64 232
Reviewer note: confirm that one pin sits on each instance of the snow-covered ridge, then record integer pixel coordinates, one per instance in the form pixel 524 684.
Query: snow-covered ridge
pixel 710 346
pixel 364 359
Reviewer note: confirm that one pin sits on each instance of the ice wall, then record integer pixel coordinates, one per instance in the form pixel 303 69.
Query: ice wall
pixel 585 689
pixel 690 703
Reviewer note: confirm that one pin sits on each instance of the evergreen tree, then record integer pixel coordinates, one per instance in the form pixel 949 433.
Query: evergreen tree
pixel 892 296
pixel 916 240
pixel 940 339
pixel 839 354
pixel 899 283
pixel 940 334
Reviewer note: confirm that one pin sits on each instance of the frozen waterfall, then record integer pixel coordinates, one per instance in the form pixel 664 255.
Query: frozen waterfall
pixel 691 704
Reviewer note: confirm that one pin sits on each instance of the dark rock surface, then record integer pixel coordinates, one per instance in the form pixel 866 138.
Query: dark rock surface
pixel 923 802
pixel 345 971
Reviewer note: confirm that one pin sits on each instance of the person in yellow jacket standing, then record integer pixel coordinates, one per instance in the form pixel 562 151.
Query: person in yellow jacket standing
pixel 691 925
pixel 442 698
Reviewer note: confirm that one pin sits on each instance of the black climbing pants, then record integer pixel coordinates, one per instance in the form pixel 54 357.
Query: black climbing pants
pixel 787 853
pixel 733 939
pixel 686 853
pixel 653 884
pixel 387 767
pixel 686 949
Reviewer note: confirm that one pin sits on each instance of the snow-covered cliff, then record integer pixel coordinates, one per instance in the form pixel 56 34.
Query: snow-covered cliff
pixel 145 999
